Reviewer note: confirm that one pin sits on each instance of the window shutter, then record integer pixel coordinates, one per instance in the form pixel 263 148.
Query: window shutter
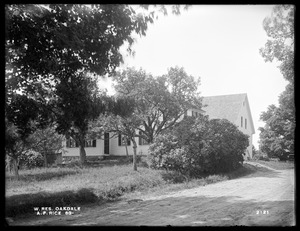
pixel 68 143
pixel 140 139
pixel 94 143
pixel 120 140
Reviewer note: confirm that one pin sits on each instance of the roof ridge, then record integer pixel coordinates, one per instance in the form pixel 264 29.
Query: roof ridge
pixel 225 95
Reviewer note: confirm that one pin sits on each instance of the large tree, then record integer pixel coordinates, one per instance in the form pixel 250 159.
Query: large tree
pixel 160 101
pixel 23 116
pixel 277 136
pixel 78 101
pixel 47 45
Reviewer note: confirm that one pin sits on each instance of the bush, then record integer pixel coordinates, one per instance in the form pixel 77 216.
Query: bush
pixel 199 146
pixel 261 156
pixel 265 158
pixel 31 159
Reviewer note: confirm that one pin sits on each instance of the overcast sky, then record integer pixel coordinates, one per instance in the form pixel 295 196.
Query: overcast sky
pixel 220 44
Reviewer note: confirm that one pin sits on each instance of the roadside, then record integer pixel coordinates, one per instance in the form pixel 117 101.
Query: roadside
pixel 77 186
pixel 275 165
pixel 264 198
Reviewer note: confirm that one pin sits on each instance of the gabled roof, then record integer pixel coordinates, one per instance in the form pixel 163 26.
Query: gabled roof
pixel 223 106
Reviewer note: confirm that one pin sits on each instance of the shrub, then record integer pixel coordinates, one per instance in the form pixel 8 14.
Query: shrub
pixel 261 156
pixel 199 146
pixel 264 157
pixel 160 149
pixel 226 147
pixel 31 159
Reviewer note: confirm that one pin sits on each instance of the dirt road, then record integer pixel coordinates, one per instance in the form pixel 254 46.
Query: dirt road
pixel 265 198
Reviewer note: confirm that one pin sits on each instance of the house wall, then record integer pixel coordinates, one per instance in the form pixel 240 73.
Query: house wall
pixel 90 151
pixel 115 149
pixel 245 113
pixel 190 112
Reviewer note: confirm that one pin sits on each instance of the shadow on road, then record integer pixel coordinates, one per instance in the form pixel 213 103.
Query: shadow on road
pixel 182 211
pixel 25 203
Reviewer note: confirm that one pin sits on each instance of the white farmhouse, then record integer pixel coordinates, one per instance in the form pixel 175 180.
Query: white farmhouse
pixel 235 108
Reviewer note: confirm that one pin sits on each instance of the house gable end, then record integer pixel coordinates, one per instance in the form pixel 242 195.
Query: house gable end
pixel 224 106
pixel 250 115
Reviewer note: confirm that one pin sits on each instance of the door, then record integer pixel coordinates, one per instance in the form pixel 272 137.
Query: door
pixel 106 143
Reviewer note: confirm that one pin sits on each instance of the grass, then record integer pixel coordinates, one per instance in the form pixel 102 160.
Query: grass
pixel 53 187
pixel 67 186
pixel 278 165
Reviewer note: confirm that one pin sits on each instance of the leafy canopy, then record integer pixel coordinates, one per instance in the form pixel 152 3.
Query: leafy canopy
pixel 160 101
pixel 277 136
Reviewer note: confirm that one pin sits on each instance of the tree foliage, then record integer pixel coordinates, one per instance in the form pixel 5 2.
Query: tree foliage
pixel 51 48
pixel 16 143
pixel 160 101
pixel 43 42
pixel 79 100
pixel 50 39
pixel 120 119
pixel 280 29
pixel 46 142
pixel 277 136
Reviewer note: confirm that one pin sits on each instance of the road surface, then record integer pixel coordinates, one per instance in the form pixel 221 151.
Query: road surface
pixel 265 198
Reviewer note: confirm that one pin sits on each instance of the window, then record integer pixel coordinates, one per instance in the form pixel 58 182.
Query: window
pixel 194 114
pixel 245 123
pixel 242 121
pixel 90 143
pixel 71 143
pixel 122 140
pixel 142 141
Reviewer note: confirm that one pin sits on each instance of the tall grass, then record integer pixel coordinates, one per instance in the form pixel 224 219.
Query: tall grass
pixel 99 179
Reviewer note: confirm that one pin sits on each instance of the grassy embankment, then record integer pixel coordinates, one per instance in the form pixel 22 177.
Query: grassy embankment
pixel 278 165
pixel 51 187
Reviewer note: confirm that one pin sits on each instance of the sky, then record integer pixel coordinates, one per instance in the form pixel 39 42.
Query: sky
pixel 218 43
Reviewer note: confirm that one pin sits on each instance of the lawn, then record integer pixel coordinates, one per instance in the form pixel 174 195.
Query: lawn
pixel 72 186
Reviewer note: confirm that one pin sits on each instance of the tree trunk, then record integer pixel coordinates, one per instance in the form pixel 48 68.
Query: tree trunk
pixel 82 154
pixel 126 149
pixel 45 160
pixel 16 167
pixel 134 154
